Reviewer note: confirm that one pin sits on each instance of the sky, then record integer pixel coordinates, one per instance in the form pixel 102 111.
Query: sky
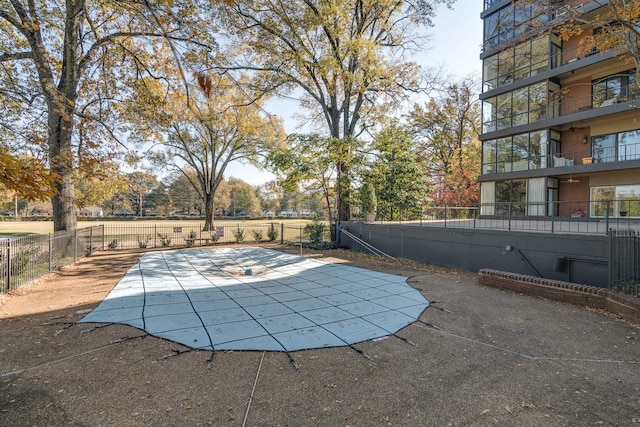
pixel 455 45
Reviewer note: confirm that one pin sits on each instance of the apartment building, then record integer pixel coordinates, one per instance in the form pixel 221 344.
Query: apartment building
pixel 561 128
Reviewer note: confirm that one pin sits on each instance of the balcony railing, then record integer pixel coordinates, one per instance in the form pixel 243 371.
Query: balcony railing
pixel 560 104
pixel 568 158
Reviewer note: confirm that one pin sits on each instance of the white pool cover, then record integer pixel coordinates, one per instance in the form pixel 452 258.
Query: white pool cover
pixel 257 299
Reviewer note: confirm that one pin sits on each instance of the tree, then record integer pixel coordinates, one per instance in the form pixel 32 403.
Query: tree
pixel 448 128
pixel 25 176
pixel 444 125
pixel 140 184
pixel 615 28
pixel 308 162
pixel 398 175
pixel 183 195
pixel 243 198
pixel 64 64
pixel 346 57
pixel 201 139
pixel 270 195
pixel 100 186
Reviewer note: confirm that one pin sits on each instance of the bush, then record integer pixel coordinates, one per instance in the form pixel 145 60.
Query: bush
pixel 21 259
pixel 257 235
pixel 165 240
pixel 316 231
pixel 192 235
pixel 142 243
pixel 272 233
pixel 239 235
pixel 113 244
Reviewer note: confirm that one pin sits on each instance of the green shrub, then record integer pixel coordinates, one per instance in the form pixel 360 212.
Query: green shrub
pixel 239 235
pixel 315 230
pixel 272 233
pixel 113 244
pixel 257 235
pixel 165 240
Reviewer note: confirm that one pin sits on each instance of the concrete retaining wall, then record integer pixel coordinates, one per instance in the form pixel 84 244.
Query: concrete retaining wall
pixel 579 258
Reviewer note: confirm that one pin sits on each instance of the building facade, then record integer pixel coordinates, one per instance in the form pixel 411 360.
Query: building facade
pixel 561 127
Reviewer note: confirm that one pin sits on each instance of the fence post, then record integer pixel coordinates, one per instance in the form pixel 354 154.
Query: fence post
pixel 282 233
pixel 155 234
pixel 607 215
pixel 90 240
pixel 445 216
pixel 610 256
pixel 510 210
pixel 475 214
pixel 8 264
pixel 50 252
pixel 300 240
pixel 75 245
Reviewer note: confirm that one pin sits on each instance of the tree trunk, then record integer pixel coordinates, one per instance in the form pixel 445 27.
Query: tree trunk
pixel 61 169
pixel 209 212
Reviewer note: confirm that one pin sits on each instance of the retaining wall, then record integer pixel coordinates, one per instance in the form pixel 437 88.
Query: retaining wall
pixel 621 305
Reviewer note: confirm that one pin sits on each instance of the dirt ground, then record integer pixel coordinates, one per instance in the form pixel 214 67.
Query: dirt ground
pixel 477 357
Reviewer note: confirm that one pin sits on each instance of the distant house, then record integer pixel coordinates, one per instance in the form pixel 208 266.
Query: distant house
pixel 289 213
pixel 91 212
pixel 6 212
pixel 124 212
pixel 307 213
pixel 268 213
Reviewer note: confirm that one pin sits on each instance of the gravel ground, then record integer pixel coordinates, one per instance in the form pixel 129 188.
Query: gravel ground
pixel 477 357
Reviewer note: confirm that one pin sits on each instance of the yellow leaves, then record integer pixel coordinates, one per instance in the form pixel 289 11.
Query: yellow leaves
pixel 26 176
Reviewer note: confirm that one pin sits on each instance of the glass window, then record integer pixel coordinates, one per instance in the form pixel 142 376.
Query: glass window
pixel 505 67
pixel 504 154
pixel 520 106
pixel 489 156
pixel 538 95
pixel 522 58
pixel 601 198
pixel 629 145
pixel 539 54
pixel 503 111
pixel 538 150
pixel 521 152
pixel 511 193
pixel 491 30
pixel 490 73
pixel 612 89
pixel 604 148
pixel 489 115
pixel 616 201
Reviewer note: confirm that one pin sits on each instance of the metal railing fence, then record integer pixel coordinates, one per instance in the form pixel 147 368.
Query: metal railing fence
pixel 593 217
pixel 25 259
pixel 624 265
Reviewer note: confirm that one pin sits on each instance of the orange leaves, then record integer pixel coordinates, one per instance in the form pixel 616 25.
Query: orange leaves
pixel 204 83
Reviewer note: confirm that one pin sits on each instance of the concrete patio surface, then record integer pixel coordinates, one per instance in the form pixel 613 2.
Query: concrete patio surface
pixel 477 357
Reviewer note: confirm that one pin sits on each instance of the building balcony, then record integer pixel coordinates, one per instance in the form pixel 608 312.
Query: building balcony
pixel 560 109
pixel 591 159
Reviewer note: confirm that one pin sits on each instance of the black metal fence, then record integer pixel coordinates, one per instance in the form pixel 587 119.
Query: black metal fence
pixel 624 265
pixel 25 259
pixel 594 217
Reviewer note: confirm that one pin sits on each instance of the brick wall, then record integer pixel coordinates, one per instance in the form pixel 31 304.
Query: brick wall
pixel 626 307
pixel 576 96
